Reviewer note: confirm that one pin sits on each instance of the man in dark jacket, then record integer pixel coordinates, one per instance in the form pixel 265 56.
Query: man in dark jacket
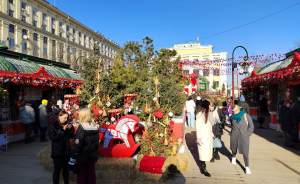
pixel 296 119
pixel 59 132
pixel 286 122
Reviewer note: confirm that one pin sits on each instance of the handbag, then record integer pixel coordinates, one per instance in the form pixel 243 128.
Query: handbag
pixel 217 143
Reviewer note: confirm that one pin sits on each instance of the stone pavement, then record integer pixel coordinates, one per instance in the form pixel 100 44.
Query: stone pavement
pixel 269 162
pixel 20 165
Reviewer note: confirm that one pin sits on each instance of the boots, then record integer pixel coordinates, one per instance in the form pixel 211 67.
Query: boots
pixel 216 154
pixel 203 169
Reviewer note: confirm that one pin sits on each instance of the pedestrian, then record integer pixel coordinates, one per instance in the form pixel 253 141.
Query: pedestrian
pixel 204 136
pixel 217 130
pixel 296 120
pixel 242 128
pixel 59 133
pixel 85 153
pixel 286 117
pixel 43 118
pixel 264 113
pixel 27 117
pixel 190 110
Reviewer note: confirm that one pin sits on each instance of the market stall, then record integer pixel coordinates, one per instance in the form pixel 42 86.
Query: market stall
pixel 277 82
pixel 26 78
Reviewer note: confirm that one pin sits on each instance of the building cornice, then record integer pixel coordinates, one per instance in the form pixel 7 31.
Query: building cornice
pixel 39 30
pixel 72 20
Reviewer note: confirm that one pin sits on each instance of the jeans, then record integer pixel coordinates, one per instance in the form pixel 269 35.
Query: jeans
pixel 191 119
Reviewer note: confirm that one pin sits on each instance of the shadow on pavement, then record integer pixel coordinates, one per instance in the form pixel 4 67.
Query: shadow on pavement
pixel 172 175
pixel 276 138
pixel 191 142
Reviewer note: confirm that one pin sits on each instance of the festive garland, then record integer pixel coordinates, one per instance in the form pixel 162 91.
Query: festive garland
pixel 292 71
pixel 39 79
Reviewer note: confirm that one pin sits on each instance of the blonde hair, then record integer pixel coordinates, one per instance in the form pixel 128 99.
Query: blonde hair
pixel 85 116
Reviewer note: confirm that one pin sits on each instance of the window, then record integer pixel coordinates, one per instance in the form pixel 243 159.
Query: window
pixel 23 18
pixel 185 72
pixel 10 13
pixel 45 47
pixel 215 84
pixel 11 1
pixel 196 71
pixel 60 29
pixel 34 23
pixel 24 40
pixel 35 37
pixel 69 55
pixel 53 25
pixel 35 44
pixel 11 28
pixel 44 16
pixel 216 72
pixel 23 5
pixel 61 52
pixel 45 41
pixel 11 36
pixel 53 50
pixel 205 72
pixel 44 27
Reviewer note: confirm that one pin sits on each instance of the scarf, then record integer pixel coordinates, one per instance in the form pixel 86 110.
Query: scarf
pixel 237 117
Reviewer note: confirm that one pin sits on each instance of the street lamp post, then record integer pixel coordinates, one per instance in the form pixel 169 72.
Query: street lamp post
pixel 235 66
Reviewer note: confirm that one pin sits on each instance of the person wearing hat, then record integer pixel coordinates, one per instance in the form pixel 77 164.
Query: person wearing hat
pixel 43 118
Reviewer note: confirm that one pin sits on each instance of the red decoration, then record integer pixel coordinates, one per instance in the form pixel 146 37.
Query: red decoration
pixel 41 78
pixel 122 132
pixel 152 164
pixel 114 112
pixel 158 114
pixel 297 56
pixel 193 79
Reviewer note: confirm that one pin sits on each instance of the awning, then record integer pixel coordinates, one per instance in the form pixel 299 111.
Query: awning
pixel 287 70
pixel 33 73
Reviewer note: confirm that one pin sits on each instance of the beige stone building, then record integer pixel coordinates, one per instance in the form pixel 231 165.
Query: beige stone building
pixel 193 54
pixel 37 28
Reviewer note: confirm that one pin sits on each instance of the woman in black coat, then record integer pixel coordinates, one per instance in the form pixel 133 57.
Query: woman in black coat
pixel 85 152
pixel 59 133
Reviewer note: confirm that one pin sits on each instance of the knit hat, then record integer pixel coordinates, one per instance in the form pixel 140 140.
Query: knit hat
pixel 44 102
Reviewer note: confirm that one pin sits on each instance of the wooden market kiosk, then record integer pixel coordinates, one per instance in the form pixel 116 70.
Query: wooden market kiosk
pixel 28 78
pixel 277 81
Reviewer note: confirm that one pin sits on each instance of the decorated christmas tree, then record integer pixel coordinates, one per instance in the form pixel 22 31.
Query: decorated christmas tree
pixel 154 76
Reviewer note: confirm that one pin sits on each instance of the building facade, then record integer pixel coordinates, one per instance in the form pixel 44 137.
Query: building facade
pixel 37 28
pixel 196 58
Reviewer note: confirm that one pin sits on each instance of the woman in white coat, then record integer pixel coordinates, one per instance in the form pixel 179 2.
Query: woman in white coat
pixel 204 121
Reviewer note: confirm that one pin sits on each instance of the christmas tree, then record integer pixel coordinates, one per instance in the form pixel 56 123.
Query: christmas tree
pixel 154 76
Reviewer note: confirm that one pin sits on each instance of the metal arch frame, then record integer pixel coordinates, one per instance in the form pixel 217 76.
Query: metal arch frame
pixel 233 66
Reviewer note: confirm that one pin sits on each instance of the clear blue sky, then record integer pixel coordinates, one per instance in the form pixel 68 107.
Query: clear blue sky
pixel 169 22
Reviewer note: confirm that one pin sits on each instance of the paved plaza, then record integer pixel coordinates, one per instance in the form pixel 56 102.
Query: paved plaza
pixel 270 163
